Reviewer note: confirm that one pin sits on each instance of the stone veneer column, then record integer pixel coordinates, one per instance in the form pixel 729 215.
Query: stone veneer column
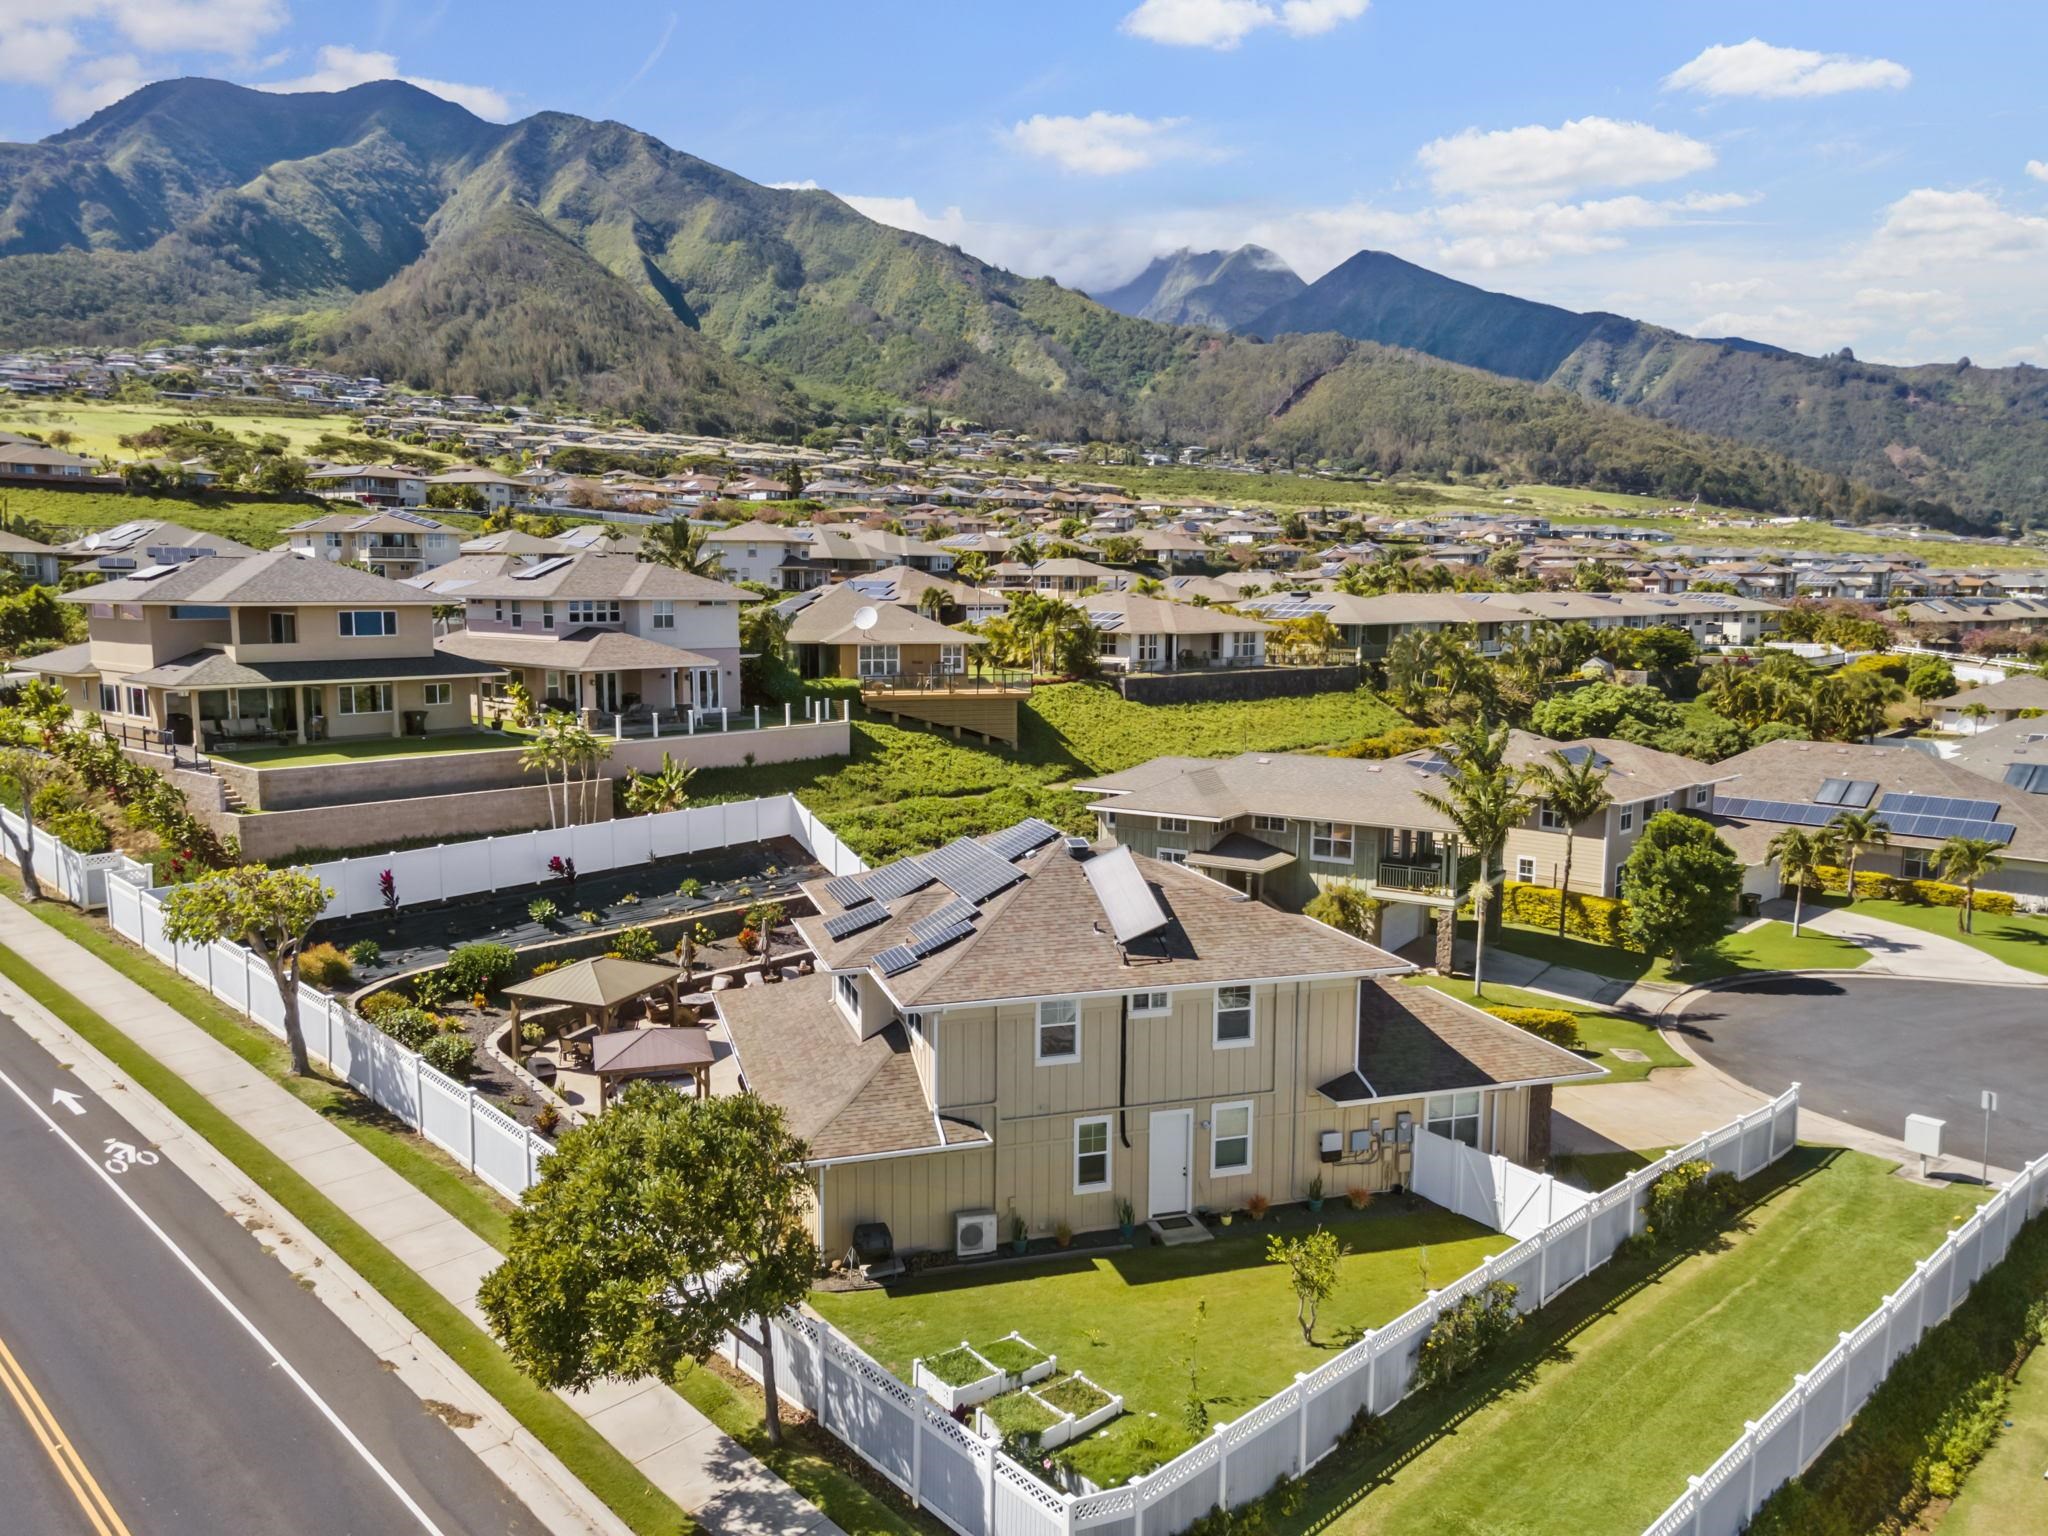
pixel 1539 1126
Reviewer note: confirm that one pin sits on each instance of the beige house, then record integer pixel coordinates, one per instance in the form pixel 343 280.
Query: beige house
pixel 394 544
pixel 847 632
pixel 1994 704
pixel 222 651
pixel 1029 1026
pixel 1151 634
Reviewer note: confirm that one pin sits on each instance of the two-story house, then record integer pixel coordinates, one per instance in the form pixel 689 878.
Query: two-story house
pixel 1026 1026
pixel 601 633
pixel 394 544
pixel 130 546
pixel 845 631
pixel 220 651
pixel 770 553
pixel 1150 634
pixel 374 485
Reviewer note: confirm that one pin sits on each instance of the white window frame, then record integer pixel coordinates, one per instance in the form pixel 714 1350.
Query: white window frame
pixel 1173 824
pixel 1702 796
pixel 1269 823
pixel 664 614
pixel 1151 1005
pixel 880 660
pixel 1057 1013
pixel 1323 842
pixel 1244 645
pixel 283 627
pixel 1171 855
pixel 387 619
pixel 1550 821
pixel 1086 1186
pixel 1449 1109
pixel 952 660
pixel 1525 870
pixel 110 698
pixel 437 693
pixel 1627 823
pixel 1249 1008
pixel 345 699
pixel 593 610
pixel 843 984
pixel 547 615
pixel 1217 1137
pixel 518 614
pixel 138 702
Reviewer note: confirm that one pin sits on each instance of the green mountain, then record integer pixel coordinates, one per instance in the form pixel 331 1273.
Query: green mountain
pixel 1218 289
pixel 1975 439
pixel 383 230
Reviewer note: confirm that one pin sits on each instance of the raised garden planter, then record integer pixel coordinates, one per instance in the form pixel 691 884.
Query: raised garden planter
pixel 972 1374
pixel 1053 1415
pixel 1021 1361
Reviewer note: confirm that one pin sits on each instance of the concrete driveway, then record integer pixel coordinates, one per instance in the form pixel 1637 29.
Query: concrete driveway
pixel 1872 1049
pixel 1899 950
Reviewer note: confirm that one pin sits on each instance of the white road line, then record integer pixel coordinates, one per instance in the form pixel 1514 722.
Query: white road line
pixel 277 1359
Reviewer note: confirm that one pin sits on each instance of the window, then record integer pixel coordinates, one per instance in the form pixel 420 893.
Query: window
pixel 138 702
pixel 1091 1154
pixel 1455 1115
pixel 334 541
pixel 1173 823
pixel 1269 823
pixel 1150 1005
pixel 284 629
pixel 110 699
pixel 518 615
pixel 547 615
pixel 1059 1031
pixel 1230 1139
pixel 1245 645
pixel 197 611
pixel 1233 1016
pixel 594 610
pixel 437 693
pixel 664 614
pixel 1525 871
pixel 1628 818
pixel 368 623
pixel 551 685
pixel 1330 841
pixel 364 699
pixel 1913 864
pixel 1550 821
pixel 878 661
pixel 846 991
pixel 1702 796
pixel 1148 648
pixel 1171 855
pixel 953 660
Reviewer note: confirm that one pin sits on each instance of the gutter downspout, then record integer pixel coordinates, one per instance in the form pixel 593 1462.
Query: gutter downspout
pixel 1123 1068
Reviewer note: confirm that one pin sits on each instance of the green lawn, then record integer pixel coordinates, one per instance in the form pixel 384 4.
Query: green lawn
pixel 1128 1320
pixel 2008 1492
pixel 2017 940
pixel 99 425
pixel 315 754
pixel 1639 1376
pixel 1770 947
pixel 1601 1032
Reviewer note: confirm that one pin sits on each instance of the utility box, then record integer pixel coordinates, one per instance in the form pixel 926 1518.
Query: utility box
pixel 1923 1135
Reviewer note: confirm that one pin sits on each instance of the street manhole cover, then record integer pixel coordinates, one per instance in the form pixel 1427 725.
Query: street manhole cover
pixel 1624 1053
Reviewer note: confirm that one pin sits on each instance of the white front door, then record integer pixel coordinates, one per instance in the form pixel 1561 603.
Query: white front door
pixel 1171 1154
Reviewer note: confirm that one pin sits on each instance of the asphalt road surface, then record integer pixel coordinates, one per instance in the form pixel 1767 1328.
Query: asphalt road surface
pixel 161 1376
pixel 1873 1050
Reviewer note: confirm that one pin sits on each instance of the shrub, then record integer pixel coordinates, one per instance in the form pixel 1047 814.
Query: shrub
pixel 1688 1200
pixel 689 888
pixel 590 917
pixel 1257 1206
pixel 365 953
pixel 82 829
pixel 546 1119
pixel 324 966
pixel 449 1052
pixel 542 911
pixel 411 1027
pixel 1465 1334
pixel 1597 919
pixel 635 944
pixel 477 968
pixel 545 966
pixel 377 1004
pixel 1552 1024
pixel 1358 1196
pixel 432 988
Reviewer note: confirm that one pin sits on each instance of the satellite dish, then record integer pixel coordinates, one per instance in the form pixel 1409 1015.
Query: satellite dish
pixel 865 618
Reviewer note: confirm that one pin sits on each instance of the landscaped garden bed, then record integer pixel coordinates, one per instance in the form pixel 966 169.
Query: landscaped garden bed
pixel 960 1378
pixel 1046 1417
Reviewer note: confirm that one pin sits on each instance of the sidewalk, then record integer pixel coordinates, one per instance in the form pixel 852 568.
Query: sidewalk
pixel 1897 950
pixel 674 1446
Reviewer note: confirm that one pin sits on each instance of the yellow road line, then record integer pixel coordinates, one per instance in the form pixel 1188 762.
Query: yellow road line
pixel 99 1509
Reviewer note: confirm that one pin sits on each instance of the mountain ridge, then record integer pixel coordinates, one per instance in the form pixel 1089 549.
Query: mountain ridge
pixel 1218 289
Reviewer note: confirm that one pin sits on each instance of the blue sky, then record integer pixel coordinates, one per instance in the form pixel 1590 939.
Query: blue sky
pixel 1871 175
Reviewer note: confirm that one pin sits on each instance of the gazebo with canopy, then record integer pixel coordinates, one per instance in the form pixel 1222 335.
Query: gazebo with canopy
pixel 597 988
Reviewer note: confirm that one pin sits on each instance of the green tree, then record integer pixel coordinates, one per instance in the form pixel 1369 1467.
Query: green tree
pixel 1681 882
pixel 679 545
pixel 1799 857
pixel 29 772
pixel 1930 679
pixel 1855 833
pixel 1575 790
pixel 1484 799
pixel 1312 1263
pixel 1964 861
pixel 667 788
pixel 270 910
pixel 1346 907
pixel 542 754
pixel 653 1232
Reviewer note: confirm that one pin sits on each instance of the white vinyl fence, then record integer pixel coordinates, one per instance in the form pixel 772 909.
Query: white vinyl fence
pixel 1487 1188
pixel 978 1491
pixel 452 1115
pixel 1801 1424
pixel 80 878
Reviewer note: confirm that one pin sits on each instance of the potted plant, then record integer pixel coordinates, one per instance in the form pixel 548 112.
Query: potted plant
pixel 1223 1218
pixel 1020 1234
pixel 1126 1219
pixel 1315 1193
pixel 1257 1206
pixel 1063 1235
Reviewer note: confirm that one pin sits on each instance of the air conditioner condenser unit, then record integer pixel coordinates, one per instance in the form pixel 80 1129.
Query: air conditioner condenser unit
pixel 974 1233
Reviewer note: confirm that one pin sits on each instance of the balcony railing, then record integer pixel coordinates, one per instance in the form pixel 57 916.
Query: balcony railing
pixel 392 552
pixel 947 682
pixel 1423 879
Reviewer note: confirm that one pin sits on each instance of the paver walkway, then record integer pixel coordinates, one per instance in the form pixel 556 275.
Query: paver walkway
pixel 1899 950
pixel 676 1447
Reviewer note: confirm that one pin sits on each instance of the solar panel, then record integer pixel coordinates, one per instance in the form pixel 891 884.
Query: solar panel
pixel 1577 755
pixel 897 879
pixel 846 924
pixel 1104 619
pixel 846 890
pixel 1853 794
pixel 1792 813
pixel 1126 900
pixel 970 871
pixel 1940 805
pixel 1944 827
pixel 554 563
pixel 894 960
pixel 2031 778
pixel 1014 842
pixel 936 935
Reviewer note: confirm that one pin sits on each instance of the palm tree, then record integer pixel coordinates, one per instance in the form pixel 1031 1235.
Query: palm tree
pixel 1576 792
pixel 1483 800
pixel 972 567
pixel 932 601
pixel 1964 861
pixel 581 752
pixel 543 752
pixel 667 788
pixel 1975 712
pixel 679 545
pixel 1799 857
pixel 1856 832
pixel 764 630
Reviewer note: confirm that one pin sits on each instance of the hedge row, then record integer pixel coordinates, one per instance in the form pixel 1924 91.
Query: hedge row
pixel 1552 1024
pixel 1926 893
pixel 1598 919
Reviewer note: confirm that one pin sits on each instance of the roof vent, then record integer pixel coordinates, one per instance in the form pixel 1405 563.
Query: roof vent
pixel 1079 847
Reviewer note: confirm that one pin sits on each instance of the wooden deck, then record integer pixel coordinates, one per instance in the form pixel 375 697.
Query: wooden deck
pixel 982 706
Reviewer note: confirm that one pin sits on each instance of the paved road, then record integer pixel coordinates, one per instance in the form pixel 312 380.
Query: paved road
pixel 134 1400
pixel 1873 1050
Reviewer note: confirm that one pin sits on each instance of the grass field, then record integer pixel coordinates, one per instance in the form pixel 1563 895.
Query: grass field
pixel 258 523
pixel 316 754
pixel 1601 1032
pixel 2017 940
pixel 1638 1377
pixel 98 426
pixel 2008 1491
pixel 1770 947
pixel 1129 1320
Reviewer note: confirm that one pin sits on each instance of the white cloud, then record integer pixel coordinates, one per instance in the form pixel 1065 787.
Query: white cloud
pixel 227 27
pixel 1757 68
pixel 1485 233
pixel 1102 143
pixel 1585 152
pixel 1929 228
pixel 806 185
pixel 1223 24
pixel 86 87
pixel 340 66
pixel 2038 169
pixel 33 54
